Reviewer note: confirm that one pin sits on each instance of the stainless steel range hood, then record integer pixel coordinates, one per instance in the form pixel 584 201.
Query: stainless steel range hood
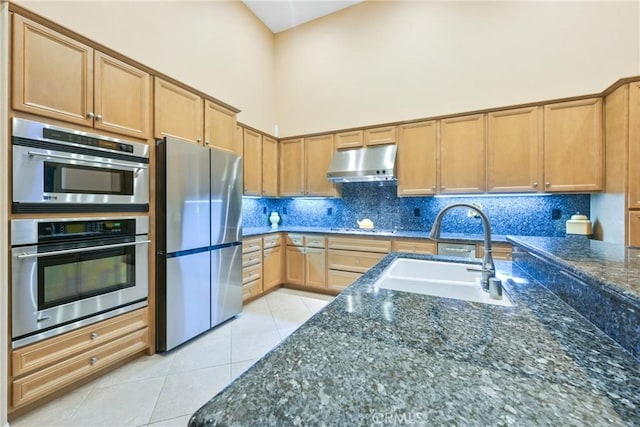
pixel 364 164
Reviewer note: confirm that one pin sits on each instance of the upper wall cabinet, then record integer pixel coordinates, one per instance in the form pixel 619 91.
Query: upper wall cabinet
pixel 269 166
pixel 634 147
pixel 252 163
pixel 349 139
pixel 573 146
pixel 318 154
pixel 462 155
pixel 58 77
pixel 513 153
pixel 416 159
pixel 220 128
pixel 362 138
pixel 292 161
pixel 178 112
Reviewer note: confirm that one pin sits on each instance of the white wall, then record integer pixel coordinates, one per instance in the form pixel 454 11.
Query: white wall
pixel 220 48
pixel 383 61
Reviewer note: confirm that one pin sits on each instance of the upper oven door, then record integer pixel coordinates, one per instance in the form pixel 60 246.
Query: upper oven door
pixel 53 176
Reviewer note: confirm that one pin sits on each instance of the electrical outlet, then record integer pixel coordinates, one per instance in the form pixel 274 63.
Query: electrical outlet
pixel 473 214
pixel 284 210
pixel 264 209
pixel 556 214
pixel 329 211
pixel 416 211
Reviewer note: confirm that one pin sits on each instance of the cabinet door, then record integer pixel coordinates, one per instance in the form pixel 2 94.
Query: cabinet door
pixel 462 155
pixel 252 163
pixel 634 229
pixel 573 146
pixel 269 166
pixel 122 97
pixel 292 167
pixel 513 155
pixel 178 112
pixel 220 128
pixel 381 136
pixel 294 265
pixel 349 139
pixel 315 267
pixel 416 159
pixel 318 153
pixel 272 267
pixel 52 73
pixel 634 146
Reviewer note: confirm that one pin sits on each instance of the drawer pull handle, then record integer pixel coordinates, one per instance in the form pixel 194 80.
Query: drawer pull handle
pixel 94 335
pixel 93 360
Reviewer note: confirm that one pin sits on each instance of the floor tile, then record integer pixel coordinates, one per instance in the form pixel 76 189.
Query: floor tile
pixel 239 367
pixel 173 422
pixel 129 404
pixel 183 393
pixel 245 346
pixel 139 369
pixel 57 412
pixel 210 349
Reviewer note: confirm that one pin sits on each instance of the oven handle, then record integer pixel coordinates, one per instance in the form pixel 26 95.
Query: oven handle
pixel 90 248
pixel 101 162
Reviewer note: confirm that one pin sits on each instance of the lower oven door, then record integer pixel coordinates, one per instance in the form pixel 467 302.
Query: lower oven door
pixel 59 287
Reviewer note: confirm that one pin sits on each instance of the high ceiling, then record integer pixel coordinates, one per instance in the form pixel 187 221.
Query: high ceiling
pixel 280 15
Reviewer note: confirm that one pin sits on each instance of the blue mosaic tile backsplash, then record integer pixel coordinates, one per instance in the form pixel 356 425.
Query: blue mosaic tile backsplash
pixel 528 215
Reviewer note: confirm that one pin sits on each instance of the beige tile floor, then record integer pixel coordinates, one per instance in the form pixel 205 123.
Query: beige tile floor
pixel 165 389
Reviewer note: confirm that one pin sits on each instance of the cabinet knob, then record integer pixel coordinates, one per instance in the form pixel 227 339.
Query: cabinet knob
pixel 433 187
pixel 90 115
pixel 547 184
pixel 535 185
pixel 199 139
pixel 207 142
pixel 98 117
pixel 94 335
pixel 442 187
pixel 93 360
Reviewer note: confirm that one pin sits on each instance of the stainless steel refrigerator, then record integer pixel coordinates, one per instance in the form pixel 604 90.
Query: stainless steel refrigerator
pixel 199 240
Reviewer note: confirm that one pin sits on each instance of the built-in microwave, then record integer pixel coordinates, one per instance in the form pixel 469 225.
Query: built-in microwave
pixel 57 169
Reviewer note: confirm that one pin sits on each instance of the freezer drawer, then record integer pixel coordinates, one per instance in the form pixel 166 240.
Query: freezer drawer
pixel 188 297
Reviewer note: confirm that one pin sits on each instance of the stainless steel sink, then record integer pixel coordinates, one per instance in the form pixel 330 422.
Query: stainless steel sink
pixel 437 278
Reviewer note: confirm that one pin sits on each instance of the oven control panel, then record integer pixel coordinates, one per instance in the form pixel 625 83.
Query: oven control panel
pixel 56 230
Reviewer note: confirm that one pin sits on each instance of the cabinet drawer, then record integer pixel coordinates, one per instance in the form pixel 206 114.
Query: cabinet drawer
pixel 634 228
pixel 315 241
pixel 360 244
pixel 357 262
pixel 414 246
pixel 251 245
pixel 271 241
pixel 53 350
pixel 499 251
pixel 249 274
pixel 48 380
pixel 339 280
pixel 252 258
pixel 381 136
pixel 295 240
pixel 251 289
pixel 350 139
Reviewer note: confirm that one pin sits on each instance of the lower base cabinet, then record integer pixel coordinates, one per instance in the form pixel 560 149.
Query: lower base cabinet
pixel 634 229
pixel 350 257
pixel 305 261
pixel 339 280
pixel 42 368
pixel 251 268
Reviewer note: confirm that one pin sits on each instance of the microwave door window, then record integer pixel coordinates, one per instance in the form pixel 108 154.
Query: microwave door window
pixel 109 271
pixel 66 178
pixel 58 280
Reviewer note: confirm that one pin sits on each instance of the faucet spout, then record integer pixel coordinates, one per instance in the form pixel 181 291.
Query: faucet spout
pixel 488 266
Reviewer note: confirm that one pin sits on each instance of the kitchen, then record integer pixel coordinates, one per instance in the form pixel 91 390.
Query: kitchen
pixel 557 80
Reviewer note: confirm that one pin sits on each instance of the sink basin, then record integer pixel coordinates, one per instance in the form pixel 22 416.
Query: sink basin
pixel 437 278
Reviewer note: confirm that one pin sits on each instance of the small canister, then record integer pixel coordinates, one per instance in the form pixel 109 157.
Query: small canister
pixel 579 224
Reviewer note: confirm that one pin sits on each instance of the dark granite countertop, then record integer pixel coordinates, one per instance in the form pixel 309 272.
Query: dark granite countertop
pixel 380 357
pixel 613 266
pixel 460 237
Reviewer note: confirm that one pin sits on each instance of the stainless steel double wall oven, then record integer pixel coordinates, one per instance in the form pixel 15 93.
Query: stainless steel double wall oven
pixel 73 271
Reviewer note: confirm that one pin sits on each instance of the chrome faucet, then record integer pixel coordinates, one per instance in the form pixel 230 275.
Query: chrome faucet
pixel 488 268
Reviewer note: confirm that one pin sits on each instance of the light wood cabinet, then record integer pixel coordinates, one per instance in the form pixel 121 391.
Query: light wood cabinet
pixel 359 244
pixel 381 135
pixel 270 166
pixel 354 261
pixel 220 128
pixel 315 267
pixel 416 246
pixel 295 263
pixel 318 152
pixel 339 280
pixel 252 163
pixel 292 163
pixel 514 151
pixel 573 144
pixel 252 278
pixel 44 367
pixel 58 77
pixel 349 257
pixel 462 154
pixel 416 159
pixel 178 112
pixel 272 261
pixel 634 229
pixel 633 192
pixel 305 262
pixel 498 251
pixel 349 139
